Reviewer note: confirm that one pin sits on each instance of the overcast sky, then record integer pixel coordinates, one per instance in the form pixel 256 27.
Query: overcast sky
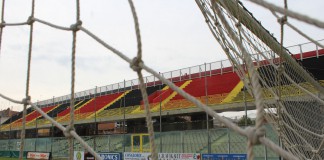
pixel 174 36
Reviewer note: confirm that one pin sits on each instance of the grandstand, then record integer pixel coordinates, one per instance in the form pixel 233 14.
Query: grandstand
pixel 179 125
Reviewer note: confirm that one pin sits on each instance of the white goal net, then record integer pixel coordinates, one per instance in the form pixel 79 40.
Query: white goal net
pixel 266 68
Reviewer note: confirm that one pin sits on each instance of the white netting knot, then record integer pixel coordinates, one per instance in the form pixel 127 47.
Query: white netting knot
pixel 238 25
pixel 75 27
pixel 30 20
pixel 2 24
pixel 26 100
pixel 67 131
pixel 254 134
pixel 282 20
pixel 135 64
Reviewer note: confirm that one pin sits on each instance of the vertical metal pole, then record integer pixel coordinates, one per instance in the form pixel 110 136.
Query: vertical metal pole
pixel 154 80
pixel 245 105
pixel 229 141
pixel 96 128
pixel 258 63
pixel 95 100
pixel 52 136
pixel 317 54
pixel 36 136
pixel 160 117
pixel 180 75
pixel 9 146
pixel 221 67
pixel 53 100
pixel 280 145
pixel 0 119
pixel 301 52
pixel 109 143
pixel 182 141
pixel 207 117
pixel 124 122
pixel 265 149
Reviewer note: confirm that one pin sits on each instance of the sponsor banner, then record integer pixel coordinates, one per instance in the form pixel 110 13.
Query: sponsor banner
pixel 110 156
pixel 78 155
pixel 179 156
pixel 162 156
pixel 136 156
pixel 224 156
pixel 38 155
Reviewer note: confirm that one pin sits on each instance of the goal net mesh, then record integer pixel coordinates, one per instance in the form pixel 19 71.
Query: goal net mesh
pixel 290 95
pixel 285 94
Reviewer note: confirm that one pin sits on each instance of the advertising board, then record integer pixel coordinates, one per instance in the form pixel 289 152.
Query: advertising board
pixel 224 156
pixel 38 155
pixel 136 156
pixel 179 156
pixel 78 155
pixel 162 156
pixel 110 156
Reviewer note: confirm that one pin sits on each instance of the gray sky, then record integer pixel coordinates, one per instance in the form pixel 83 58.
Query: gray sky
pixel 174 36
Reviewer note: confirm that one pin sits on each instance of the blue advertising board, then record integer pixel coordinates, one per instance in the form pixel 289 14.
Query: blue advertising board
pixel 110 156
pixel 224 156
pixel 136 156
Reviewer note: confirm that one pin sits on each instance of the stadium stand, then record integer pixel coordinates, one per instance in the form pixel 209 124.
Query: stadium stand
pixel 223 87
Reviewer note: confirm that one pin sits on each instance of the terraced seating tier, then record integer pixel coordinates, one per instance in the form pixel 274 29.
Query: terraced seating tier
pixel 76 106
pixel 163 94
pixel 117 111
pixel 153 92
pixel 98 103
pixel 132 98
pixel 58 109
pixel 216 85
pixel 34 114
pixel 18 116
